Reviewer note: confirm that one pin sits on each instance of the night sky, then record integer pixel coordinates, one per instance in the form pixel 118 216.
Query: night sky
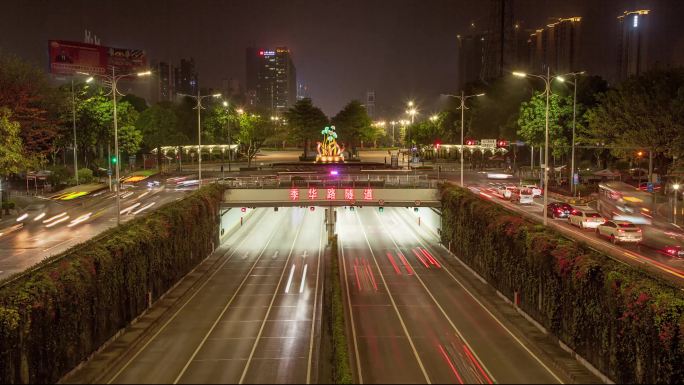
pixel 400 48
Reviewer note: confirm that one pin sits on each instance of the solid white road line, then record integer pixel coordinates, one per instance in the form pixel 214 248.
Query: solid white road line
pixel 223 311
pixel 270 306
pixel 301 286
pixel 394 304
pixel 315 304
pixel 359 373
pixel 118 373
pixel 491 314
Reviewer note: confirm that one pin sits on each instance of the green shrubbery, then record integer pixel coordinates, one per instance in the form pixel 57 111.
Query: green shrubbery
pixel 341 370
pixel 627 324
pixel 54 317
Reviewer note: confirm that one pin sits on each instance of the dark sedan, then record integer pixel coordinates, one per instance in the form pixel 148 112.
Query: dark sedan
pixel 558 210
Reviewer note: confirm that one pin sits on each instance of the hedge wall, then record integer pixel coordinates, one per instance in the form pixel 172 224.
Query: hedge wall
pixel 627 324
pixel 56 316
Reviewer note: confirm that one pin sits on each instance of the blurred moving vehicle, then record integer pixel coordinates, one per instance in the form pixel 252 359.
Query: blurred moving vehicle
pixel 585 218
pixel 620 231
pixel 537 191
pixel 507 191
pixel 558 210
pixel 620 201
pixel 523 196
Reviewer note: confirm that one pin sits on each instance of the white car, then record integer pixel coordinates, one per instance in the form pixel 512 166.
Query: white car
pixel 523 196
pixel 506 192
pixel 620 231
pixel 535 190
pixel 585 219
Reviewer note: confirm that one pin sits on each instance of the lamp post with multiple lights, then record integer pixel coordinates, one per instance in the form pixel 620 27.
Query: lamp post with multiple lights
pixel 574 119
pixel 462 98
pixel 547 91
pixel 198 99
pixel 73 115
pixel 112 81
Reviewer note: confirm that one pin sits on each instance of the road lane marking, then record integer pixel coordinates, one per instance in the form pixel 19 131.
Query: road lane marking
pixel 301 287
pixel 359 373
pixel 61 243
pixel 439 306
pixel 118 373
pixel 275 255
pixel 270 306
pixel 224 310
pixel 289 280
pixel 394 304
pixel 313 318
pixel 490 313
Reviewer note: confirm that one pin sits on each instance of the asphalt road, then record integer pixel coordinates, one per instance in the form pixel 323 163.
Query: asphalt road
pixel 24 247
pixel 256 319
pixel 412 319
pixel 641 256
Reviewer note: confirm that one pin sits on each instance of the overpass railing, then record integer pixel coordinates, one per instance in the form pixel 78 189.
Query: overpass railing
pixel 346 181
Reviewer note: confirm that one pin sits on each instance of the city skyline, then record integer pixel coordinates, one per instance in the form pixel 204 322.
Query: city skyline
pixel 418 61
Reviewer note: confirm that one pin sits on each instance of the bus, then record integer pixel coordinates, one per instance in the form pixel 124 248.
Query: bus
pixel 620 201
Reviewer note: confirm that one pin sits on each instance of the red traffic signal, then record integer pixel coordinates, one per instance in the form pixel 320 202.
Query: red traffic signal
pixel 244 209
pixel 502 143
pixel 470 142
pixel 437 145
pixel 312 208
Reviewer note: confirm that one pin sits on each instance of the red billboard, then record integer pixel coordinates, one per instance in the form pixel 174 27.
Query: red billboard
pixel 67 58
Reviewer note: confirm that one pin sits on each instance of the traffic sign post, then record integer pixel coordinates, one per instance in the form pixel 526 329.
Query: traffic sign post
pixel 575 178
pixel 649 187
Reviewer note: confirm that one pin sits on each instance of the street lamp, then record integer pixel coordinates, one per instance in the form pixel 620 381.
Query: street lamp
pixel 73 114
pixel 393 123
pixel 198 99
pixel 462 98
pixel 675 188
pixel 573 188
pixel 113 81
pixel 547 90
pixel 434 118
pixel 230 139
pixel 411 111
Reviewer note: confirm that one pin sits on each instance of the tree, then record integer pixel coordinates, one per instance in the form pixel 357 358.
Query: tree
pixel 11 148
pixel 305 122
pixel 252 131
pixel 644 112
pixel 353 124
pixel 158 126
pixel 532 122
pixel 429 131
pixel 25 89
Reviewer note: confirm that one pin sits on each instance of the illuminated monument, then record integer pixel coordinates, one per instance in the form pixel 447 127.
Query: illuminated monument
pixel 329 151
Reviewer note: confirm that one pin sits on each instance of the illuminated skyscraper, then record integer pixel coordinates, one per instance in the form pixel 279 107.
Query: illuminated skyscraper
pixel 272 77
pixel 632 43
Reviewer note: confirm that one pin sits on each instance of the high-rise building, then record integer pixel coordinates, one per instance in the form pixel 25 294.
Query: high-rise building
pixel 632 43
pixel 166 90
pixel 370 104
pixel 186 77
pixel 471 57
pixel 556 47
pixel 275 83
pixel 498 40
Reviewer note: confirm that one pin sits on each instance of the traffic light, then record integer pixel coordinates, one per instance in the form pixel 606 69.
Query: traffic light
pixel 381 209
pixel 244 209
pixel 470 142
pixel 351 208
pixel 114 160
pixel 312 208
pixel 437 145
pixel 275 209
pixel 501 143
pixel 415 209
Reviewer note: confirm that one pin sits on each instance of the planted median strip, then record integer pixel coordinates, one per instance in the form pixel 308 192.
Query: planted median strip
pixel 624 322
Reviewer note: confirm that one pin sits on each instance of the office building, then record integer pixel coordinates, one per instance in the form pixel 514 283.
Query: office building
pixel 271 78
pixel 186 77
pixel 166 89
pixel 471 57
pixel 632 47
pixel 556 47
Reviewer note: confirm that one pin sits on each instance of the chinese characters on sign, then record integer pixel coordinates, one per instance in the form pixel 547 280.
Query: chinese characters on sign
pixel 294 194
pixel 313 193
pixel 368 194
pixel 331 193
pixel 349 194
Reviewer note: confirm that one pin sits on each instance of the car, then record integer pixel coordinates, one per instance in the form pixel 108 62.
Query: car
pixel 507 191
pixel 643 186
pixel 523 196
pixel 496 175
pixel 558 210
pixel 537 191
pixel 673 251
pixel 585 219
pixel 620 231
